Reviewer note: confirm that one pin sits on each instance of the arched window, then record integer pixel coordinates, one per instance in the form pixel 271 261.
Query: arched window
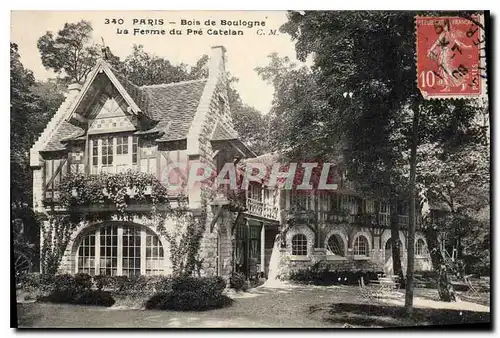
pixel 420 247
pixel 120 249
pixel 361 246
pixel 299 245
pixel 335 245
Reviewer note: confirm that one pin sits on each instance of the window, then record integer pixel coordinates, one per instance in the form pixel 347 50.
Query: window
pixel 107 151
pixel 361 246
pixel 113 154
pixel 299 245
pixel 420 247
pixel 154 254
pixel 109 251
pixel 86 255
pixel 134 149
pixel 335 245
pixel 131 257
pixel 120 250
pixel 122 145
pixel 95 153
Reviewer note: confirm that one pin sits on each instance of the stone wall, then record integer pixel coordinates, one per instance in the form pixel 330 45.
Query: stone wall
pixel 216 246
pixel 376 260
pixel 68 261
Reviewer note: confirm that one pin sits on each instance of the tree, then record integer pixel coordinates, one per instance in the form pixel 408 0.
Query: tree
pixel 350 56
pixel 252 126
pixel 143 68
pixel 70 52
pixel 31 107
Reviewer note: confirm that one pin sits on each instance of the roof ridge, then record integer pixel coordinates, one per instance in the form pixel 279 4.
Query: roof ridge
pixel 173 83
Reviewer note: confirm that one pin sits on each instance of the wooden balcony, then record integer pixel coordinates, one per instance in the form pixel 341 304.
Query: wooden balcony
pixel 259 209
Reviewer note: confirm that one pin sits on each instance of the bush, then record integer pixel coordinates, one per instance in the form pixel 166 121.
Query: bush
pixel 77 290
pixel 134 285
pixel 37 281
pixel 191 293
pixel 237 281
pixel 83 281
pixel 87 297
pixel 323 276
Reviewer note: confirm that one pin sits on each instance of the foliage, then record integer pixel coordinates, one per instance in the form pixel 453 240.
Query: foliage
pixel 252 126
pixel 184 239
pixel 237 281
pixel 367 85
pixel 113 191
pixel 70 52
pixel 191 293
pixel 27 120
pixel 133 285
pixel 31 107
pixel 55 239
pixel 323 276
pixel 144 69
pixel 77 290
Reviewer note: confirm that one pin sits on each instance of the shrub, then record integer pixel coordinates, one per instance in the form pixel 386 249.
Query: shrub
pixel 237 281
pixel 323 276
pixel 87 297
pixel 37 281
pixel 77 290
pixel 83 281
pixel 191 293
pixel 65 283
pixel 134 285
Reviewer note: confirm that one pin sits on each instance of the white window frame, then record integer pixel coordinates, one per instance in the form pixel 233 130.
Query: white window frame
pixel 354 249
pixel 301 247
pixel 160 268
pixel 423 248
pixel 113 168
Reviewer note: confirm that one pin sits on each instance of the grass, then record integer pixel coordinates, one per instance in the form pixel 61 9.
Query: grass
pixel 287 307
pixel 381 315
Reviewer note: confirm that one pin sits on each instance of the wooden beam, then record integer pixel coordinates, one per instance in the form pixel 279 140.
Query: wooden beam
pixel 216 217
pixel 59 169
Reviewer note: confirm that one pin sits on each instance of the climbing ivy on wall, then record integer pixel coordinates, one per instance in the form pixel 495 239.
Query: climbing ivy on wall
pixel 55 238
pixel 92 198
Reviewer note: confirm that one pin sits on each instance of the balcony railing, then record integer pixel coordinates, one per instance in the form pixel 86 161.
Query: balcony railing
pixel 257 208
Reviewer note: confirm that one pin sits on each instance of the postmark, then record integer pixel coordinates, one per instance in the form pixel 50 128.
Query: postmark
pixel 451 57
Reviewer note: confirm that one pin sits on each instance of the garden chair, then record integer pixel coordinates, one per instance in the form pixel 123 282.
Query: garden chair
pixel 366 292
pixel 472 291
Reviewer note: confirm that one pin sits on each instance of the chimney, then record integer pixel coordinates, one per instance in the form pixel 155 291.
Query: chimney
pixel 217 64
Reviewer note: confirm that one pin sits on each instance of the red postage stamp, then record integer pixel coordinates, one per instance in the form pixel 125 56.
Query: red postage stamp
pixel 451 57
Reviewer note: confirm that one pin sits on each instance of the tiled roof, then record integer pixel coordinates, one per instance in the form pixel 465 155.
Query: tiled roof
pixel 65 131
pixel 173 105
pixel 138 96
pixel 220 133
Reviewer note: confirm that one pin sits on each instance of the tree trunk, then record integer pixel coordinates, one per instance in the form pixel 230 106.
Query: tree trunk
pixel 445 289
pixel 396 249
pixel 410 266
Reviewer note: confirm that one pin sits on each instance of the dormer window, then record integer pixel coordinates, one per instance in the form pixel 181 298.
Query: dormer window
pixel 113 154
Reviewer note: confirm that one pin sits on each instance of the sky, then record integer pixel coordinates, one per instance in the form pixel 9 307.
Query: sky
pixel 244 53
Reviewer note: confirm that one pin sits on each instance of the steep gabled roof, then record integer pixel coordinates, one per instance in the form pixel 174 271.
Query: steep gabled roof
pixel 221 133
pixel 173 105
pixel 66 131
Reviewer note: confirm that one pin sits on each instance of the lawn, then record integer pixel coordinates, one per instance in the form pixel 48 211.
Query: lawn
pixel 298 306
